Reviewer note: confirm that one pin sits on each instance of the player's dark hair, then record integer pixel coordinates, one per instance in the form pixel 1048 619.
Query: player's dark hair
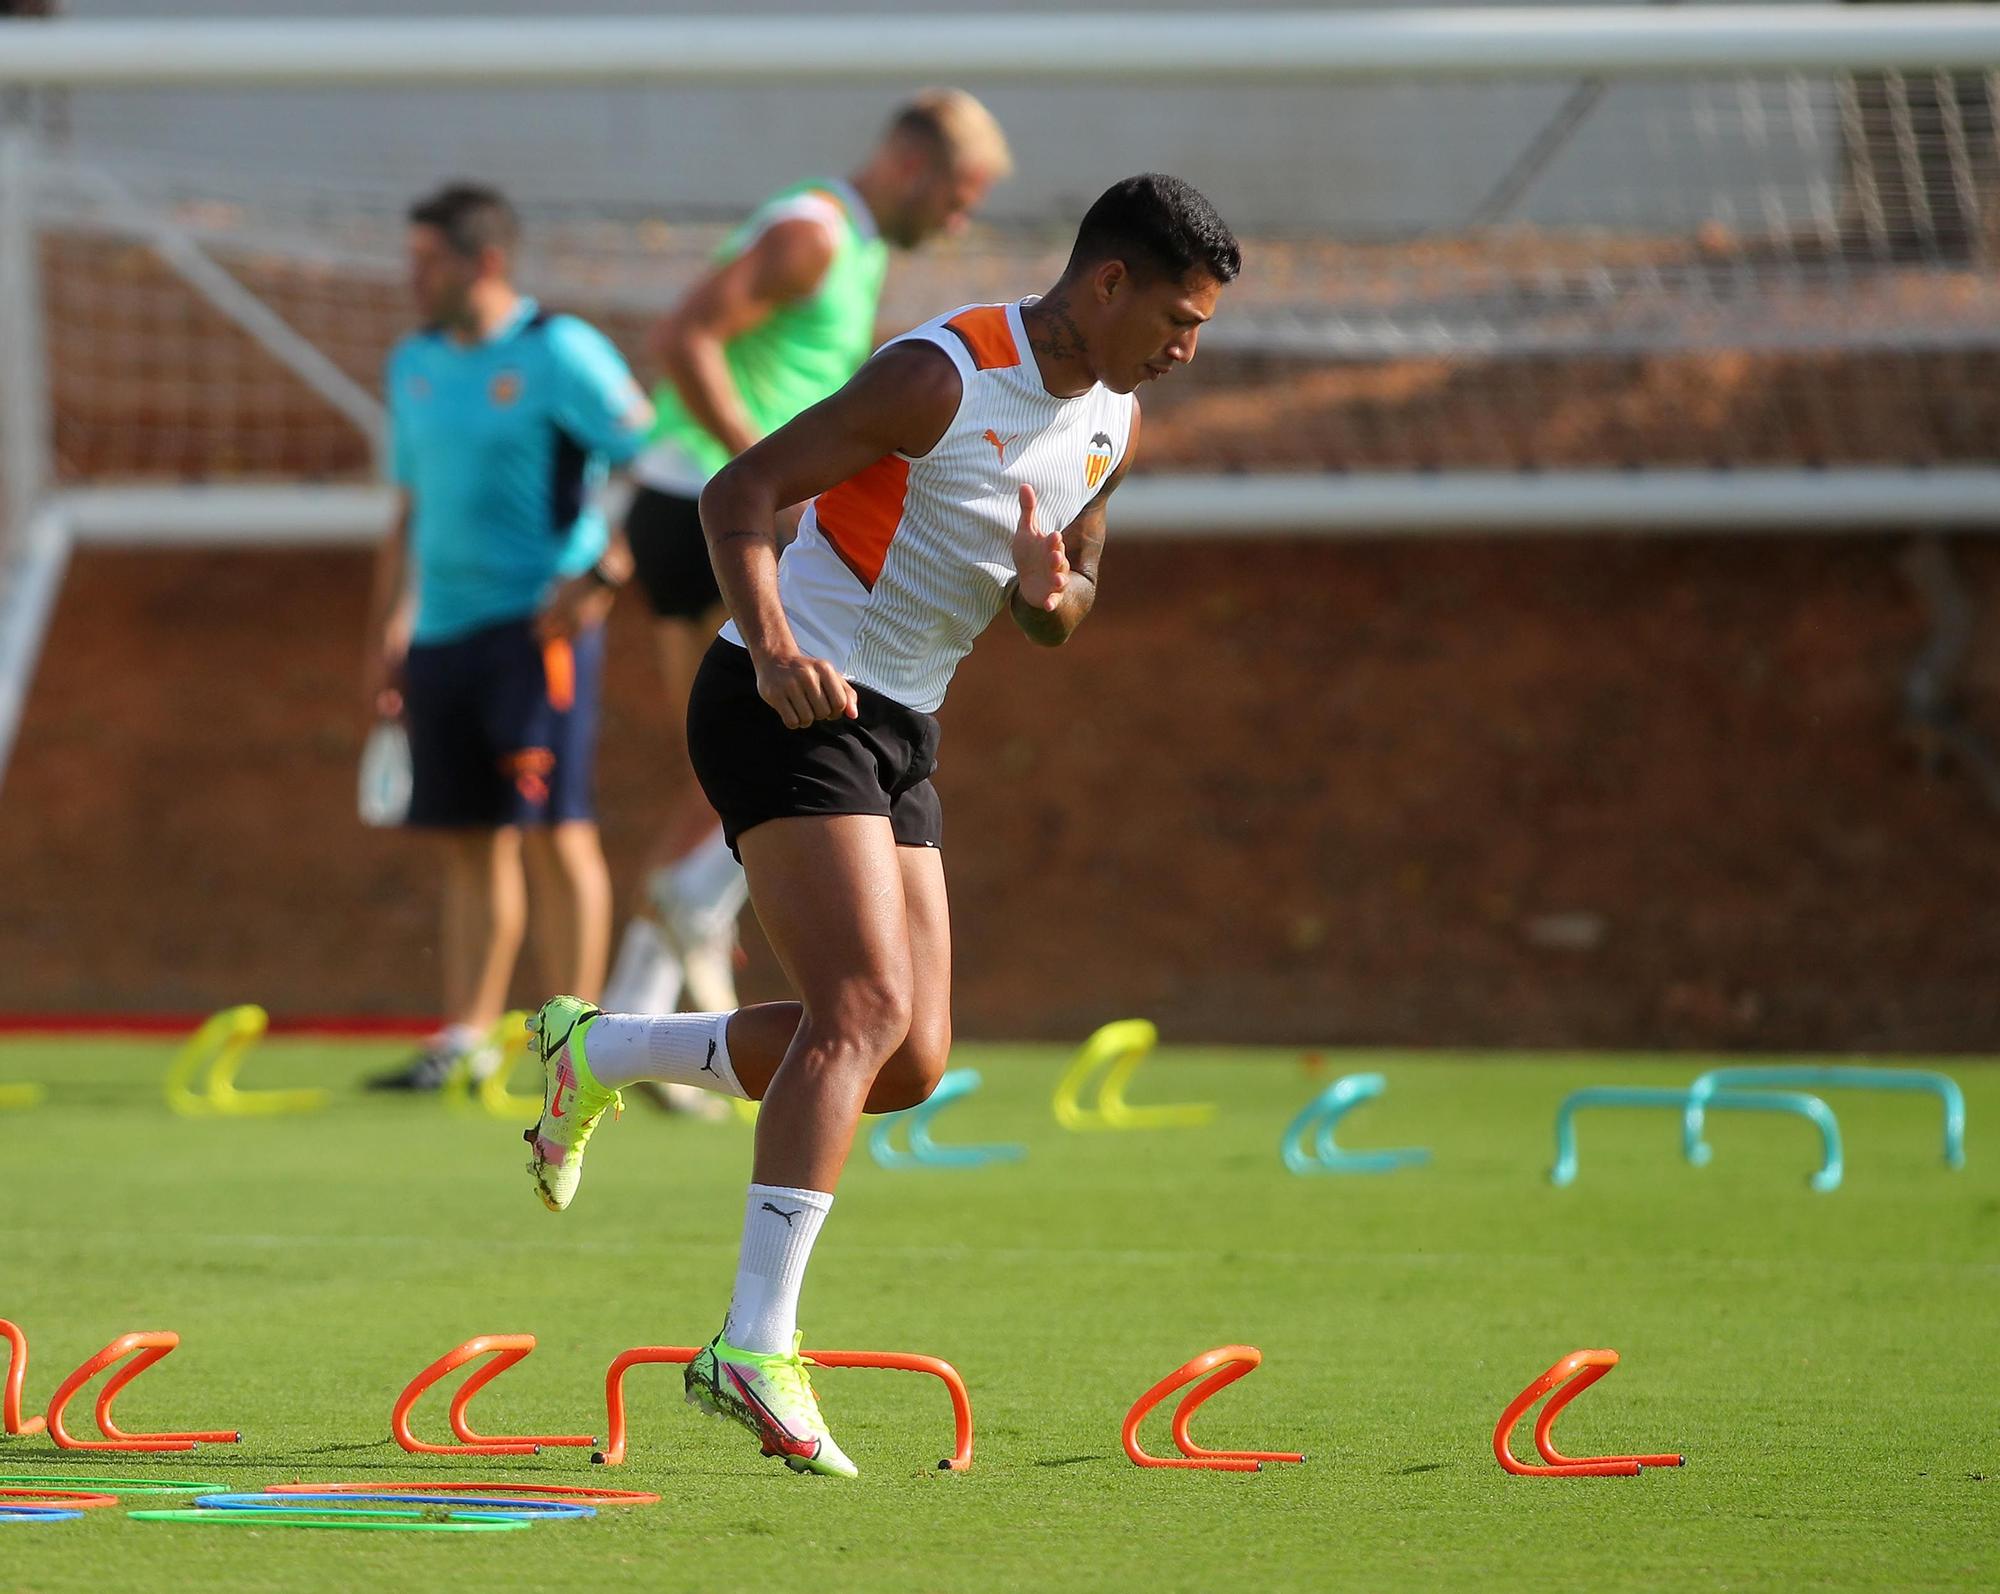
pixel 1157 225
pixel 470 216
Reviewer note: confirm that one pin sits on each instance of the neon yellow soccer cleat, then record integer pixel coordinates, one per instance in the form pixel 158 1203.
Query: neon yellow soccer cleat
pixel 572 1101
pixel 773 1398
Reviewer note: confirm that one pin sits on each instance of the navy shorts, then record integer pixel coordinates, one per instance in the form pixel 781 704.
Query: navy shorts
pixel 502 730
pixel 752 769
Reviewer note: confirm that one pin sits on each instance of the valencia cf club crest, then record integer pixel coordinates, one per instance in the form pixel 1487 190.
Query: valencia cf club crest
pixel 505 388
pixel 1097 463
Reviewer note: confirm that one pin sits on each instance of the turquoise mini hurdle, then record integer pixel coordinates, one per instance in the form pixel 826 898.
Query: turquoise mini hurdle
pixel 925 1152
pixel 1811 1108
pixel 1319 1120
pixel 1823 1076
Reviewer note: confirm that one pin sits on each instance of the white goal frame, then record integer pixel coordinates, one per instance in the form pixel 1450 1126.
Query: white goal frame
pixel 41 525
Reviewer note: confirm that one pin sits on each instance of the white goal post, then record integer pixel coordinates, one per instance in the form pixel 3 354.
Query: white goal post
pixel 1793 183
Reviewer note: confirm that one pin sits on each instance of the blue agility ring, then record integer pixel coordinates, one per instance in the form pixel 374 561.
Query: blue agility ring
pixel 1320 1119
pixel 925 1152
pixel 500 1508
pixel 39 1513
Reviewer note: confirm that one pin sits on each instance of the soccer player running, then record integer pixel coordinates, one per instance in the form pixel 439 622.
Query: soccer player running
pixel 965 469
pixel 485 630
pixel 783 318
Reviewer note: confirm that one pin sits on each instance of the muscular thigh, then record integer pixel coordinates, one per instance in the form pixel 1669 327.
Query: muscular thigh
pixel 829 893
pixel 928 913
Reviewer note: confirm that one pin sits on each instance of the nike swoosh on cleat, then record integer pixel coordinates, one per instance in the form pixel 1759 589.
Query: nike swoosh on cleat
pixel 775 1432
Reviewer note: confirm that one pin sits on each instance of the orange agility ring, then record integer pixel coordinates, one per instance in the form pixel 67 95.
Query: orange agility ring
pixel 17 1374
pixel 1217 1369
pixel 144 1349
pixel 505 1349
pixel 613 1453
pixel 70 1499
pixel 1575 1373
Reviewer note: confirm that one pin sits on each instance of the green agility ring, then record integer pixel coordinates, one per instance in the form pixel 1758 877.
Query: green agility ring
pixel 72 1480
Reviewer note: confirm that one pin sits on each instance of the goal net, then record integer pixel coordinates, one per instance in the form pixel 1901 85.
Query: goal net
pixel 1720 266
pixel 1778 270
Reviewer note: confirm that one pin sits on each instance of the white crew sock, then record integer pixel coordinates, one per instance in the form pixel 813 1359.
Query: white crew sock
pixel 647 976
pixel 457 1039
pixel 679 1049
pixel 779 1226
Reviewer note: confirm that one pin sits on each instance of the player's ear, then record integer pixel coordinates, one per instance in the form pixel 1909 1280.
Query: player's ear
pixel 1110 279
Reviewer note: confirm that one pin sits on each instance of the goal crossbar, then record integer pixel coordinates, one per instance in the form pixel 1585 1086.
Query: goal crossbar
pixel 1229 46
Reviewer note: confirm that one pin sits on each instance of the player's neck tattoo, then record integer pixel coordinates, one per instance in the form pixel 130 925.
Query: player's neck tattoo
pixel 1052 330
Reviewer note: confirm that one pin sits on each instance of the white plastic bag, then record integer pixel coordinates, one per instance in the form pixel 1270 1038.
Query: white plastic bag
pixel 383 800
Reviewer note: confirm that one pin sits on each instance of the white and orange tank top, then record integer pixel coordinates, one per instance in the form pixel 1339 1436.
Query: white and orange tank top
pixel 896 571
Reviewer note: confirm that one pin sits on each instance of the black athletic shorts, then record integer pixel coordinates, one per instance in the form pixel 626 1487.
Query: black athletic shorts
pixel 670 555
pixel 753 769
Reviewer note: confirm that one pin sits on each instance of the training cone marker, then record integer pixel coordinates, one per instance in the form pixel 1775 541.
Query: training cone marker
pixel 1108 1061
pixel 506 1350
pixel 1216 1369
pixel 216 1052
pixel 925 1152
pixel 1320 1118
pixel 613 1453
pixel 144 1349
pixel 1569 1378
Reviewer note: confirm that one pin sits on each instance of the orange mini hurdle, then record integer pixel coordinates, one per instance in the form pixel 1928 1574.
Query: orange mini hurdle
pixel 1217 1369
pixel 10 1393
pixel 506 1350
pixel 1569 1378
pixel 144 1349
pixel 613 1453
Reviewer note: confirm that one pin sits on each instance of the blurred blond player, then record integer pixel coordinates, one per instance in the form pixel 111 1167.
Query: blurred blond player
pixel 965 470
pixel 785 315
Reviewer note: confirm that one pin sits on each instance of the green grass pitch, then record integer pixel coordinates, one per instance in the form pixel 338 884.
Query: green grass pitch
pixel 1827 1362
